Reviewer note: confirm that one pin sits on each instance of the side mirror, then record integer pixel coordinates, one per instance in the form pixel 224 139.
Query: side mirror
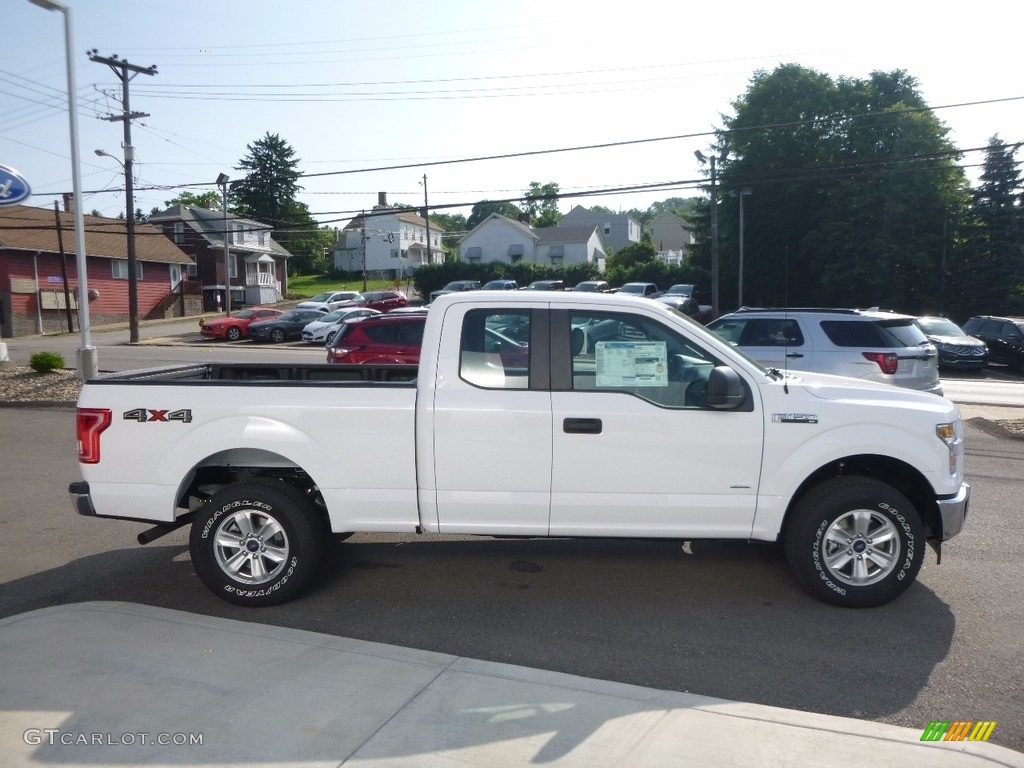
pixel 725 390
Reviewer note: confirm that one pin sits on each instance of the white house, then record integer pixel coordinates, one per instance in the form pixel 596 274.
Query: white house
pixel 618 229
pixel 499 238
pixel 388 240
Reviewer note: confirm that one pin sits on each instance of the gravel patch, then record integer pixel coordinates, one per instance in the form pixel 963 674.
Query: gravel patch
pixel 20 384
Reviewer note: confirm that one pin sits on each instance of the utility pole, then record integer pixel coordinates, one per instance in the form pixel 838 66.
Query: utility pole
pixel 122 68
pixel 714 223
pixel 363 238
pixel 426 217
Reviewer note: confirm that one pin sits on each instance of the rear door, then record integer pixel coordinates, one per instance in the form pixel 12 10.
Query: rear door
pixel 491 426
pixel 773 342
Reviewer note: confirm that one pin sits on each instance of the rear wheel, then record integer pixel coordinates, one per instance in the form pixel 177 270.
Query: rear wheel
pixel 256 542
pixel 855 542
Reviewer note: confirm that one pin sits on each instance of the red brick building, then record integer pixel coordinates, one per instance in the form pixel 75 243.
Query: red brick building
pixel 32 279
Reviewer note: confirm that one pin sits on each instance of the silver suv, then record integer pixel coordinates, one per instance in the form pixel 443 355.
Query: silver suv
pixel 864 344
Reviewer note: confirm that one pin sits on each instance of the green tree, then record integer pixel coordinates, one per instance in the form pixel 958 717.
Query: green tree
pixel 992 272
pixel 851 183
pixel 485 208
pixel 542 204
pixel 210 199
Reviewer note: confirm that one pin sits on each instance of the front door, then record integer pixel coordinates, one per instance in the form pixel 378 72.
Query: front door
pixel 636 449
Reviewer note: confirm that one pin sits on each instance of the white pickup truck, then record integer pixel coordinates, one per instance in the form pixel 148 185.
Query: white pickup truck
pixel 533 415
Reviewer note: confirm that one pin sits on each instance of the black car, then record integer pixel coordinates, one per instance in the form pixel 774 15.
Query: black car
pixel 1004 337
pixel 546 285
pixel 957 350
pixel 283 327
pixel 456 286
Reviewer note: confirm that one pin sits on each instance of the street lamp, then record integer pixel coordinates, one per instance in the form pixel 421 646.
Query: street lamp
pixel 740 193
pixel 133 277
pixel 714 223
pixel 222 182
pixel 88 365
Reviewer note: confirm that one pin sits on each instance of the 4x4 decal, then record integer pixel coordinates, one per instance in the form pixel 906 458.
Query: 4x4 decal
pixel 149 414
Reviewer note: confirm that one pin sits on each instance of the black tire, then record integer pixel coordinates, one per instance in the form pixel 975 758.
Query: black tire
pixel 330 338
pixel 256 542
pixel 855 542
pixel 234 333
pixel 277 335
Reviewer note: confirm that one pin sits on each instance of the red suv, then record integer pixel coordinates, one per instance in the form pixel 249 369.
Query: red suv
pixel 379 339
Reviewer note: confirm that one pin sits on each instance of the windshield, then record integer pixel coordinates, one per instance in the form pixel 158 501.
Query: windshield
pixel 322 296
pixel 941 327
pixel 245 313
pixel 632 288
pixel 330 317
pixel 680 289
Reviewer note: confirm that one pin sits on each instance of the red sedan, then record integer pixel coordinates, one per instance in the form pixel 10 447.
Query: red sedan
pixel 236 326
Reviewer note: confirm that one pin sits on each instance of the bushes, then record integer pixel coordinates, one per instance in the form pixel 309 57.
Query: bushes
pixel 431 277
pixel 44 362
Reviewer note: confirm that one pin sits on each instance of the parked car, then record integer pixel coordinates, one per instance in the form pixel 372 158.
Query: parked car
pixel 501 285
pixel 455 286
pixel 383 339
pixel 285 326
pixel 546 285
pixel 650 290
pixel 593 286
pixel 1004 337
pixel 957 350
pixel 382 301
pixel 236 326
pixel 863 344
pixel 327 301
pixel 322 330
pixel 685 297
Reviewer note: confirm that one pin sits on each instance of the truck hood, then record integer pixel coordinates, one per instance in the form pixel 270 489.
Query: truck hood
pixel 842 388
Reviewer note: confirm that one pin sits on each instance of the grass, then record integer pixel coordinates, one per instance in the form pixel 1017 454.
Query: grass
pixel 304 286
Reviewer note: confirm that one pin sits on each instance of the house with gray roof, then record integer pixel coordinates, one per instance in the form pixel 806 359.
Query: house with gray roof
pixel 618 229
pixel 499 238
pixel 257 265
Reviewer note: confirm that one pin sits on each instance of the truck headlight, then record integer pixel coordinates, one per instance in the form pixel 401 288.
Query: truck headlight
pixel 947 433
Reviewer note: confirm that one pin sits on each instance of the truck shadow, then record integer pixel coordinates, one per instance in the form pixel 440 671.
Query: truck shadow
pixel 723 619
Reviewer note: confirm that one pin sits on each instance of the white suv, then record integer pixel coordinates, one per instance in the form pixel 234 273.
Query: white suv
pixel 864 344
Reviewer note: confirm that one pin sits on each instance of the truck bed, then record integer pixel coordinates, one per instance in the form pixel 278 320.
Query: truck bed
pixel 264 373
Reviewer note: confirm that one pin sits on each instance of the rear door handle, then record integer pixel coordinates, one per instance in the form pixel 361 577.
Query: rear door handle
pixel 794 354
pixel 582 426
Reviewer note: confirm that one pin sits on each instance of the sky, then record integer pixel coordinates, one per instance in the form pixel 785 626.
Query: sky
pixel 359 88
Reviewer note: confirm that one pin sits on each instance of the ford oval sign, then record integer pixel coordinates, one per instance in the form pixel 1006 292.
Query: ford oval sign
pixel 13 187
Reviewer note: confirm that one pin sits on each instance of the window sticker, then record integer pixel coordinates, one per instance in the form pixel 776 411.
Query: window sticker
pixel 631 364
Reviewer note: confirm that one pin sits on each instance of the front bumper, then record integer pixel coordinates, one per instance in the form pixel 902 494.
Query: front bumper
pixel 953 511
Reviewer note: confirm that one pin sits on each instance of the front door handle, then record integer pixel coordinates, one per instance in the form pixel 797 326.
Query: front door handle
pixel 582 426
pixel 794 354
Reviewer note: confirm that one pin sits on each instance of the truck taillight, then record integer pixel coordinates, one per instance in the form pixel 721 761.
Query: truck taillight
pixel 887 361
pixel 90 422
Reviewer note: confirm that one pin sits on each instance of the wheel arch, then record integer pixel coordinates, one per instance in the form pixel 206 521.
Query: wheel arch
pixel 902 476
pixel 231 465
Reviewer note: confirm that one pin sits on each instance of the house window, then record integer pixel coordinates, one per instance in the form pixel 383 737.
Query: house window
pixel 474 253
pixel 192 269
pixel 516 249
pixel 262 237
pixel 557 253
pixel 517 258
pixel 394 253
pixel 179 232
pixel 119 269
pixel 232 266
pixel 239 233
pixel 607 228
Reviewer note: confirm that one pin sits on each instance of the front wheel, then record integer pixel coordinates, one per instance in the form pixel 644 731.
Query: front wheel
pixel 330 337
pixel 277 335
pixel 234 333
pixel 855 542
pixel 256 542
